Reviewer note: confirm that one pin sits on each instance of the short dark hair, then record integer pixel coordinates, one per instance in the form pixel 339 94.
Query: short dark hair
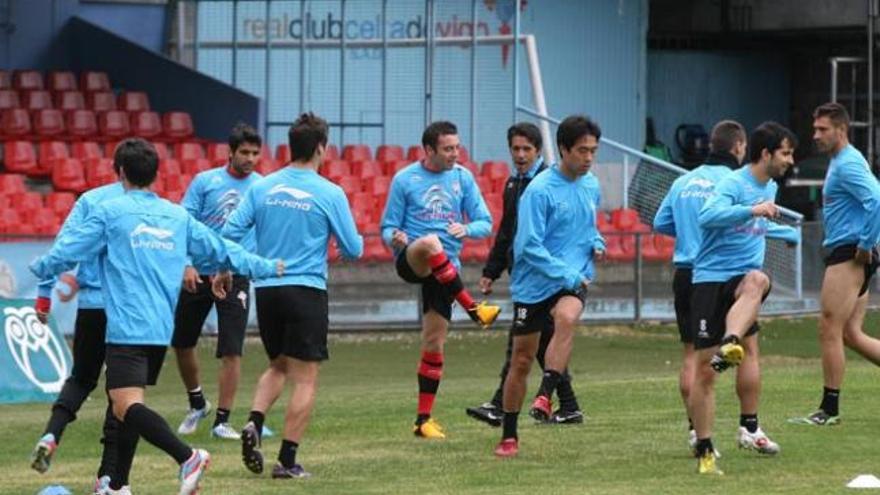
pixel 243 133
pixel 834 111
pixel 138 159
pixel 575 127
pixel 435 130
pixel 769 136
pixel 527 130
pixel 725 135
pixel 306 134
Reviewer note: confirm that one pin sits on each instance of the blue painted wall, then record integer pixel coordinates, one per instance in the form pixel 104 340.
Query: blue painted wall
pixel 705 87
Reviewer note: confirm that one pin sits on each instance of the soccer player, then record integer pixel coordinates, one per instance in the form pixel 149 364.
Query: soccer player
pixel 293 212
pixel 88 342
pixel 678 216
pixel 424 222
pixel 728 284
pixel 211 197
pixel 143 243
pixel 852 229
pixel 525 143
pixel 554 247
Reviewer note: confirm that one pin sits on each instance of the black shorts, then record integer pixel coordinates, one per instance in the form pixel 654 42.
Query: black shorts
pixel 232 316
pixel 293 321
pixel 434 296
pixel 133 365
pixel 844 253
pixel 710 303
pixel 538 317
pixel 681 288
pixel 89 334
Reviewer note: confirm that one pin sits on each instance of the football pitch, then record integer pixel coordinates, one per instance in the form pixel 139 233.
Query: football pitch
pixel 634 440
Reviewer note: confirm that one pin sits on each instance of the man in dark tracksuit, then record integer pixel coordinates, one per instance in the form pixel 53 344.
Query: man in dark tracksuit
pixel 524 140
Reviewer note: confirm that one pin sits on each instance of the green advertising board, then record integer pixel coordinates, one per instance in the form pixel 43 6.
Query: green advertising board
pixel 34 358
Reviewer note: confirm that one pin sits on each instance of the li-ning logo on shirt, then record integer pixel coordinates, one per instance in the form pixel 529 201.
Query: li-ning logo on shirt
pixel 438 204
pixel 157 242
pixel 698 188
pixel 296 203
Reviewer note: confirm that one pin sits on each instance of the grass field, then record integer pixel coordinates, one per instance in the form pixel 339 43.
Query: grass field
pixel 634 440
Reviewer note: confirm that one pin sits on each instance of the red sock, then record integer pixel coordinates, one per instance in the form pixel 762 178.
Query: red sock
pixel 446 273
pixel 430 372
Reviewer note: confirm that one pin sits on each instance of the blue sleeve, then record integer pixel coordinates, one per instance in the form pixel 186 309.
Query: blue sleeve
pixel 192 200
pixel 863 186
pixel 351 244
pixel 721 210
pixel 664 221
pixel 392 218
pixel 76 216
pixel 479 219
pixel 599 241
pixel 785 233
pixel 89 241
pixel 528 245
pixel 241 221
pixel 210 253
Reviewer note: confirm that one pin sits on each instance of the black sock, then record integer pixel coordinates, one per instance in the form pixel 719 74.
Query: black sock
pixel 704 445
pixel 148 424
pixel 567 400
pixel 510 420
pixel 690 424
pixel 59 420
pixel 257 418
pixel 749 422
pixel 70 399
pixel 126 445
pixel 222 416
pixel 287 453
pixel 110 442
pixel 196 398
pixel 830 401
pixel 549 383
pixel 498 398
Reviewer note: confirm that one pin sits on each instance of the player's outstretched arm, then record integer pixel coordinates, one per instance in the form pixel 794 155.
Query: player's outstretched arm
pixel 89 240
pixel 722 209
pixel 351 244
pixel 392 217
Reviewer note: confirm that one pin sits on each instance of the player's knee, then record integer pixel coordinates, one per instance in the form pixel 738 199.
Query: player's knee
pixel 430 244
pixel 279 364
pixel 757 281
pixel 521 362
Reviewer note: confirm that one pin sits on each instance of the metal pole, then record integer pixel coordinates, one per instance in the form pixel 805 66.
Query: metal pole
pixel 302 57
pixel 637 309
pixel 516 16
pixel 429 59
pixel 341 74
pixel 538 94
pixel 473 140
pixel 235 41
pixel 799 263
pixel 268 72
pixel 625 178
pixel 181 30
pixel 384 69
pixel 833 80
pixel 196 38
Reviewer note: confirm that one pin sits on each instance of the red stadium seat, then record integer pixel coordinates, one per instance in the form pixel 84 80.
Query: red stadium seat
pixel 177 183
pixel 27 80
pixel 15 123
pixel 463 155
pixel 193 167
pixel 177 125
pixel 616 251
pixel 218 154
pixel 99 171
pixel 473 167
pixel 146 125
pixel 70 100
pixel 350 184
pixel 363 202
pixel 94 81
pixel 49 123
pixel 484 183
pixel 266 166
pixel 45 222
pixel 162 150
pixel 375 250
pixel 37 100
pixel 602 223
pixel 85 150
pixel 5 79
pixel 494 200
pixel 169 167
pixel 12 183
pixel 665 246
pixel 331 153
pixel 110 148
pixel 356 152
pixel 82 124
pixel 188 151
pixel 27 202
pixel 367 169
pixel 335 169
pixel 378 186
pixel 101 101
pixel 627 220
pixel 475 250
pixel 114 125
pixel 19 157
pixel 51 152
pixel 389 152
pixel 282 154
pixel 133 101
pixel 11 223
pixel 415 153
pixel 62 81
pixel 395 166
pixel 60 203
pixel 496 170
pixel 9 99
pixel 68 175
pixel 648 248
